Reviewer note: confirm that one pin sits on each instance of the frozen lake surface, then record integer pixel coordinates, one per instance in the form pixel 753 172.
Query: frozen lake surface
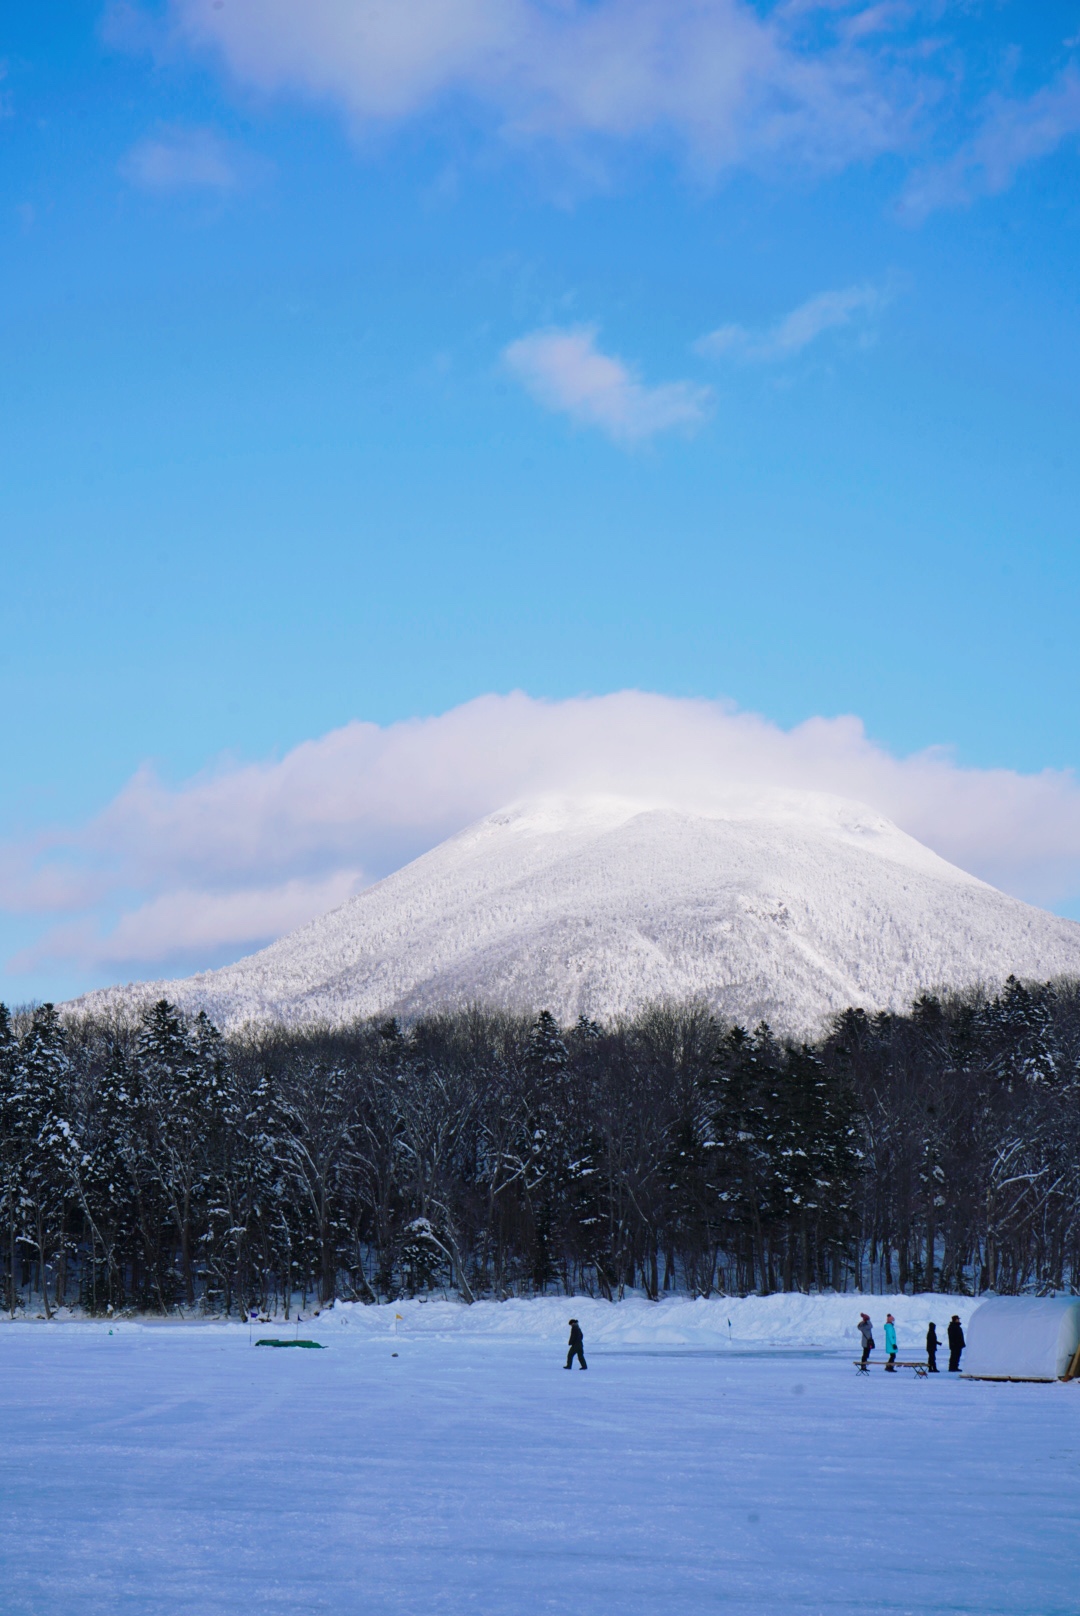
pixel 174 1468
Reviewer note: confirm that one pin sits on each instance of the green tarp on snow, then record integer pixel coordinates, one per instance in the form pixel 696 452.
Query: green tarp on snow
pixel 267 1341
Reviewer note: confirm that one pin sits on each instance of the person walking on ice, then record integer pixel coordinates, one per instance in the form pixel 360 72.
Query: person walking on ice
pixel 956 1343
pixel 932 1344
pixel 866 1330
pixel 577 1346
pixel 890 1343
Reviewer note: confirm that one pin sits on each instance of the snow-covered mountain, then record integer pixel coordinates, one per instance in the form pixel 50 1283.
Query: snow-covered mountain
pixel 783 905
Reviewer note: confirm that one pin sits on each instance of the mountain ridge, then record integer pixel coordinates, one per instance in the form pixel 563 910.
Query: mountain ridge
pixel 785 906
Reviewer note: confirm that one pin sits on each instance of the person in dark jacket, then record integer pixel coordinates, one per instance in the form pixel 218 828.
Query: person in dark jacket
pixel 577 1346
pixel 932 1344
pixel 956 1342
pixel 866 1330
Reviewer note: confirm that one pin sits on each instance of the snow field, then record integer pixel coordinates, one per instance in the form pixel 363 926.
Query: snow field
pixel 175 1469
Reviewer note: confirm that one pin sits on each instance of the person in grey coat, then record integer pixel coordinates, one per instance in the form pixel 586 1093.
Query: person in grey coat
pixel 866 1330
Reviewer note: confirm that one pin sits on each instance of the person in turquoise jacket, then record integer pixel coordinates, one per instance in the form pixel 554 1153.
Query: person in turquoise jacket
pixel 890 1342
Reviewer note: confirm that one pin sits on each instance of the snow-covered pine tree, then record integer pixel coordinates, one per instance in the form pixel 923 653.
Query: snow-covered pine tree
pixel 223 1231
pixel 40 1107
pixel 180 1090
pixel 265 1197
pixel 550 1156
pixel 813 1162
pixel 107 1180
pixel 741 1095
pixel 1020 1022
pixel 11 1158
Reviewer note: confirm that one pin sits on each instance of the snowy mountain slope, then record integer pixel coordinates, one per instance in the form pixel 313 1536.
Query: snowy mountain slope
pixel 782 905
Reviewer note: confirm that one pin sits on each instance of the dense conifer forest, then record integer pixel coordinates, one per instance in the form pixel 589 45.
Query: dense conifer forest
pixel 160 1166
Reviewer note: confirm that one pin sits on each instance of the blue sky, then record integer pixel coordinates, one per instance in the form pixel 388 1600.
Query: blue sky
pixel 472 346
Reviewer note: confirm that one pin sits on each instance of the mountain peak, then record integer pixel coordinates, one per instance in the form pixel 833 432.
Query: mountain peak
pixel 765 903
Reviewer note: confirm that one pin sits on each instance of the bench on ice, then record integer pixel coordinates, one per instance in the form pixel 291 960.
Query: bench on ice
pixel 920 1365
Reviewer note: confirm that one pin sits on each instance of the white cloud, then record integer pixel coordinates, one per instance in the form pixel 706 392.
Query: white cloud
pixel 733 84
pixel 878 19
pixel 828 311
pixel 188 922
pixel 177 159
pixel 1013 133
pixel 230 859
pixel 812 84
pixel 565 371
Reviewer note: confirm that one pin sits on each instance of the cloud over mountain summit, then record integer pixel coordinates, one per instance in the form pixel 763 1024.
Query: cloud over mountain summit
pixel 225 861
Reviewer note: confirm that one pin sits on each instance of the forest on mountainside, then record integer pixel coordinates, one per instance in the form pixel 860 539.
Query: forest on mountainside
pixel 157 1165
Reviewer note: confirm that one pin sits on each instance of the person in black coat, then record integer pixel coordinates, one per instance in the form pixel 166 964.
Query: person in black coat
pixel 932 1344
pixel 956 1342
pixel 577 1346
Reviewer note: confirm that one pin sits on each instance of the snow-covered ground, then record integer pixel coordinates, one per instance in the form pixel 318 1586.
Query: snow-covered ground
pixel 169 1468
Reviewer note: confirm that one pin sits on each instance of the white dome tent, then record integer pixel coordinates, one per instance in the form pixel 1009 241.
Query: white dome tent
pixel 1024 1338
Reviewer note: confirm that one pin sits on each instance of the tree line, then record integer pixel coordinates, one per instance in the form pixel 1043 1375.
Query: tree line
pixel 159 1165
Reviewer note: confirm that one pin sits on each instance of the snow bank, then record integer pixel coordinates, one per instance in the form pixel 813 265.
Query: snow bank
pixel 1023 1338
pixel 719 1324
pixel 716 1324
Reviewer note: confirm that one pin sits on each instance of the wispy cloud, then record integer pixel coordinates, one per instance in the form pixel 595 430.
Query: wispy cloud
pixel 789 336
pixel 814 85
pixel 565 371
pixel 1013 133
pixel 229 860
pixel 186 922
pixel 176 159
pixel 732 84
